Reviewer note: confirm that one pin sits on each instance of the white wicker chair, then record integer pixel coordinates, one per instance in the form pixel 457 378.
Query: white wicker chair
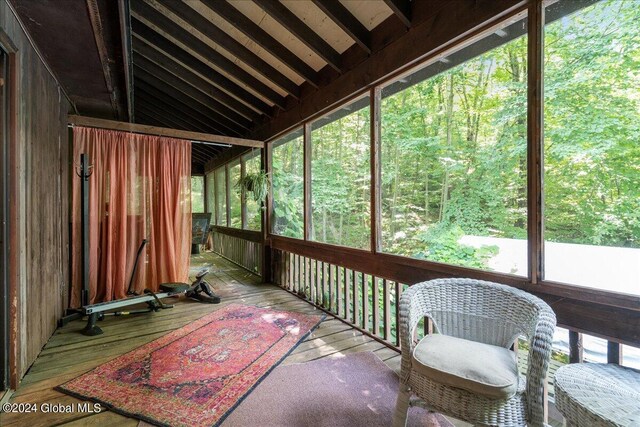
pixel 484 312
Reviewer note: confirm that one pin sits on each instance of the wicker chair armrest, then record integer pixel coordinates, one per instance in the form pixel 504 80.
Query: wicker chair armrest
pixel 540 346
pixel 411 312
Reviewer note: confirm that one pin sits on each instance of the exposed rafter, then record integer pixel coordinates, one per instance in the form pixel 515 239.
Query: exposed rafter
pixel 168 107
pixel 172 81
pixel 157 101
pixel 112 87
pixel 171 50
pixel 345 20
pixel 262 38
pixel 216 35
pixel 162 60
pixel 182 101
pixel 295 25
pixel 142 11
pixel 124 11
pixel 402 9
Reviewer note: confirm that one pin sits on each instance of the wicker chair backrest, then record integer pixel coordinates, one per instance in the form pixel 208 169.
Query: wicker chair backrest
pixel 477 310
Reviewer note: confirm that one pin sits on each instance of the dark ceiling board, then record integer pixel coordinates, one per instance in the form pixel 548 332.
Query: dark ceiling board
pixel 140 8
pixel 169 107
pixel 291 22
pixel 142 31
pixel 147 77
pixel 164 104
pixel 345 20
pixel 216 35
pixel 124 12
pixel 98 33
pixel 262 38
pixel 176 103
pixel 402 9
pixel 76 64
pixel 185 122
pixel 166 62
pixel 178 84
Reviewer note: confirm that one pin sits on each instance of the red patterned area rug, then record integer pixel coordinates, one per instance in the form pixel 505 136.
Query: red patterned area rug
pixel 196 375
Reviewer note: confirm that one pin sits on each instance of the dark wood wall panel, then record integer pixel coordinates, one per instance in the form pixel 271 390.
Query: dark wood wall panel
pixel 39 148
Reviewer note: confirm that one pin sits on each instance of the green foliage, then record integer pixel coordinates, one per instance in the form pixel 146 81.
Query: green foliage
pixel 441 242
pixel 288 187
pixel 197 194
pixel 454 150
pixel 257 184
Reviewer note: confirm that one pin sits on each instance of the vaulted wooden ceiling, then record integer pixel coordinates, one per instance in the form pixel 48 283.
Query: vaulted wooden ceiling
pixel 214 66
pixel 226 66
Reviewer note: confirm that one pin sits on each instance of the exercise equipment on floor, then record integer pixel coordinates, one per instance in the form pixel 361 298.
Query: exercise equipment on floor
pixel 199 290
pixel 153 300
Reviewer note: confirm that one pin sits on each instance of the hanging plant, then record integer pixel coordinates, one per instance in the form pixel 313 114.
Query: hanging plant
pixel 255 183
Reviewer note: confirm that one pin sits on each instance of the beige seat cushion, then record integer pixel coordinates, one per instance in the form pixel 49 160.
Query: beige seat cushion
pixel 480 368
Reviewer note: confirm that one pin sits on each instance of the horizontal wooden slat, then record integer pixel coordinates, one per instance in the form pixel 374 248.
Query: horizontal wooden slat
pixel 250 235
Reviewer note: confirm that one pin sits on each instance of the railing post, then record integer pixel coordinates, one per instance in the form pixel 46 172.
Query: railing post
pixel 575 347
pixel 614 353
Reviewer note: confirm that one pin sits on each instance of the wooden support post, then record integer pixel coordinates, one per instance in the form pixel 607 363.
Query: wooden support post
pixel 535 117
pixel 265 164
pixel 307 180
pixel 243 195
pixel 227 196
pixel 376 170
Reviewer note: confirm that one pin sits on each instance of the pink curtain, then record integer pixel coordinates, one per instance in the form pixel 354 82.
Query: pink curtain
pixel 140 188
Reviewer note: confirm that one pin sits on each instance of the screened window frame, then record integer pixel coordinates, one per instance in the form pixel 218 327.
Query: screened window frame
pixel 534 281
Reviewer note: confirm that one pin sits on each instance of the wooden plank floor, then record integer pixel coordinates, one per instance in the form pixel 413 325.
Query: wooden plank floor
pixel 69 353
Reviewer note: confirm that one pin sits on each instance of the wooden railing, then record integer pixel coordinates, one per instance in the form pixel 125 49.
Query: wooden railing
pixel 242 247
pixel 355 285
pixel 367 302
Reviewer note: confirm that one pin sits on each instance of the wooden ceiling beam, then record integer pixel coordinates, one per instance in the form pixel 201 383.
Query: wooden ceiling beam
pixel 175 96
pixel 125 34
pixel 112 87
pixel 263 39
pixel 296 26
pixel 154 130
pixel 402 9
pixel 216 35
pixel 143 11
pixel 345 20
pixel 178 84
pixel 171 50
pixel 162 60
pixel 170 106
